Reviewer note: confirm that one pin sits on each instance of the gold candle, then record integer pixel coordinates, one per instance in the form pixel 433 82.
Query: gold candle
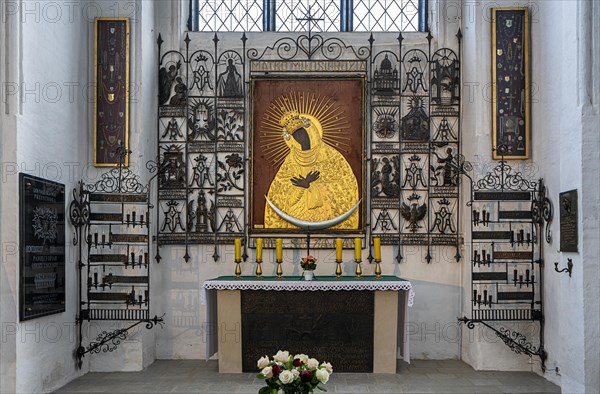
pixel 338 249
pixel 377 247
pixel 358 249
pixel 238 249
pixel 278 249
pixel 259 244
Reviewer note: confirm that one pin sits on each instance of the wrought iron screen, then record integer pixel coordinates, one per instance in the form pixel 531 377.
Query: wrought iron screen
pixel 201 140
pixel 416 157
pixel 412 147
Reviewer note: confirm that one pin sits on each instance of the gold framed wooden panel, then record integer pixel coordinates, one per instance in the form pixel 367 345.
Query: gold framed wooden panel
pixel 511 97
pixel 111 90
pixel 320 178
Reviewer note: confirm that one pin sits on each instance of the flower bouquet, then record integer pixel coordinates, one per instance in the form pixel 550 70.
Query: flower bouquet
pixel 289 374
pixel 308 263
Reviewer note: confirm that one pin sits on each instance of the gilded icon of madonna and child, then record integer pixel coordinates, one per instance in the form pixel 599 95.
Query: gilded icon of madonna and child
pixel 314 187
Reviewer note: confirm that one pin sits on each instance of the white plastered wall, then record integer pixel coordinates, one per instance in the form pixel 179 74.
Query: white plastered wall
pixel 46 105
pixel 565 146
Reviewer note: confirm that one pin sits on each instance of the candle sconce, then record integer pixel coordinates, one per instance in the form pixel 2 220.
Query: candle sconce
pixel 338 268
pixel 486 300
pixel 238 268
pixel 108 280
pixel 95 282
pixel 131 219
pixel 258 272
pixel 482 218
pixel 482 258
pixel 139 300
pixel 358 272
pixel 518 279
pixel 101 239
pixel 377 269
pixel 568 269
pixel 522 238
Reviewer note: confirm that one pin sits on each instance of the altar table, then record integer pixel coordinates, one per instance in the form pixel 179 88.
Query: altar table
pixel 223 299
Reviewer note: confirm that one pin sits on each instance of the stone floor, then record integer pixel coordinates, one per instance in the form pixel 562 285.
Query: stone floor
pixel 196 376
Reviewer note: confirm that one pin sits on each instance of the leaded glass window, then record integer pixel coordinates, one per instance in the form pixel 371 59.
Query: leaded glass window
pixel 230 15
pixel 305 15
pixel 386 15
pixel 293 15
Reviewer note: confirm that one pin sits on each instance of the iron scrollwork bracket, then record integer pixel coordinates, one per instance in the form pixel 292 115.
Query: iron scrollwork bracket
pixel 79 211
pixel 516 341
pixel 541 209
pixel 568 269
pixel 108 341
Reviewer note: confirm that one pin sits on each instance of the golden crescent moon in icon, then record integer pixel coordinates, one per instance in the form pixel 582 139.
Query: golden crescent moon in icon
pixel 306 225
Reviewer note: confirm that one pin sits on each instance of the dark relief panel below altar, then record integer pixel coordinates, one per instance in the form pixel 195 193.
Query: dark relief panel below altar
pixel 334 326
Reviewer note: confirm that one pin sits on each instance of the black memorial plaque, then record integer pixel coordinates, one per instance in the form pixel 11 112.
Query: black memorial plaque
pixel 331 326
pixel 569 221
pixel 42 247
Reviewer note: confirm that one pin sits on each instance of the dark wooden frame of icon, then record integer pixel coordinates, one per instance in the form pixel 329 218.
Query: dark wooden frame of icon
pixel 324 88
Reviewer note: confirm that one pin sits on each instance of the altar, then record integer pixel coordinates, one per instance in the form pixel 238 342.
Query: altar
pixel 250 317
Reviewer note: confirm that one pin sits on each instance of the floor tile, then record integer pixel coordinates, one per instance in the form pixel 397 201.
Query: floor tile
pixel 421 376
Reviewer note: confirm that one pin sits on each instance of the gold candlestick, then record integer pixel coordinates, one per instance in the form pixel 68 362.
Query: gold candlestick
pixel 279 271
pixel 358 272
pixel 258 268
pixel 377 269
pixel 338 269
pixel 238 268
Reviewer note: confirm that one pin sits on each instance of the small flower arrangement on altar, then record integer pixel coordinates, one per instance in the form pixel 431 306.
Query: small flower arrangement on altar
pixel 289 374
pixel 308 263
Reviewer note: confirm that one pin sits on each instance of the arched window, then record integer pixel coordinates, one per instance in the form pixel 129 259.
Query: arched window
pixel 296 15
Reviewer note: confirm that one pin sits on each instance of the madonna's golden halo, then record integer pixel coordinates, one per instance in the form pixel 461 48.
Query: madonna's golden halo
pixel 332 118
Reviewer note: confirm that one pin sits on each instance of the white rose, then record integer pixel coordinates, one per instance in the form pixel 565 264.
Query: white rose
pixel 322 375
pixel 281 356
pixel 312 364
pixel 267 372
pixel 286 377
pixel 263 362
pixel 301 357
pixel 296 373
pixel 327 367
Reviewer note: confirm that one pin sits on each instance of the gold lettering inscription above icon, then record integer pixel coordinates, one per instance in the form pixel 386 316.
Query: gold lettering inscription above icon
pixel 309 66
